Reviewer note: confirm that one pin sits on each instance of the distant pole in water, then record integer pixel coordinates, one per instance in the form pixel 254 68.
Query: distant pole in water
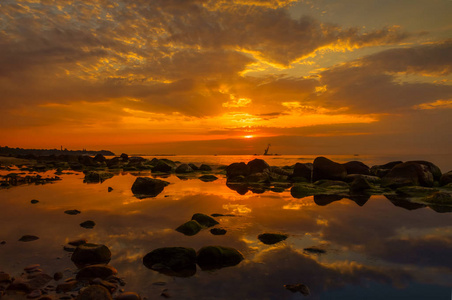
pixel 266 150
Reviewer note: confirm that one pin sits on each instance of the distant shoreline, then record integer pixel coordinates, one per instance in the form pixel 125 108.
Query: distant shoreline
pixel 7 151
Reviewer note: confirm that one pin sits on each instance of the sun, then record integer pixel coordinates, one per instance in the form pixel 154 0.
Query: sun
pixel 248 136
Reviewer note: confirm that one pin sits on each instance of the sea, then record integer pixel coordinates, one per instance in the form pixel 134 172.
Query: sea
pixel 379 247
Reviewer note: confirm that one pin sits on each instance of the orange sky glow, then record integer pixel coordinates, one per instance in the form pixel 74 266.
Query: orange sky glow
pixel 198 76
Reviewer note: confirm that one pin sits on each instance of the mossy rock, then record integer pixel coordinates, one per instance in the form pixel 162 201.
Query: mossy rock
pixel 300 190
pixel 416 191
pixel 217 257
pixel 176 261
pixel 441 197
pixel 271 238
pixel 91 254
pixel 189 228
pixel 204 220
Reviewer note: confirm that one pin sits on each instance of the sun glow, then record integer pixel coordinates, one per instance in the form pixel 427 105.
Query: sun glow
pixel 248 136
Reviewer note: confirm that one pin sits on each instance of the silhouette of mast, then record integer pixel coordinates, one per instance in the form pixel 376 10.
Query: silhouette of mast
pixel 266 150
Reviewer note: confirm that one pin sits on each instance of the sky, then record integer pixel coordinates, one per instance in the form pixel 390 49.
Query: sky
pixel 227 76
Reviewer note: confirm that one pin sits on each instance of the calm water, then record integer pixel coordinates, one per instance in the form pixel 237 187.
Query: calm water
pixel 374 251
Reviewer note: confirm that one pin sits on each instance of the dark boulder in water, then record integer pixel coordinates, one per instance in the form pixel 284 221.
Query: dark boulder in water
pixel 218 231
pixel 28 238
pixel 359 185
pixel 432 168
pixel 183 169
pixel 88 224
pixel 189 228
pixel 177 261
pixel 163 165
pixel 205 167
pixel 409 173
pixel 356 167
pixel 208 178
pixel 94 292
pixel 271 238
pixel 97 176
pixel 148 186
pixel 382 170
pixel 72 212
pixel 217 257
pixel 446 178
pixel 91 254
pixel 237 169
pixel 96 271
pixel 302 171
pixel 204 220
pixel 323 168
pixel 257 166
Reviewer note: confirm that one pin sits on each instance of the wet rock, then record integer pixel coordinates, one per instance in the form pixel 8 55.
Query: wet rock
pixel 94 292
pixel 401 201
pixel 300 190
pixel 271 238
pixel 216 257
pixel 128 296
pixel 193 166
pixel 205 167
pixel 440 197
pixel 77 242
pixel 359 185
pixel 406 174
pixel 204 220
pixel 96 271
pixel 371 179
pixel 88 224
pixel 72 212
pixel 323 168
pixel 34 201
pixel 148 186
pixel 34 294
pixel 258 166
pixel 177 261
pixel 124 157
pixel 382 170
pixel 258 178
pixel 110 189
pixel 183 169
pixel 301 288
pixel 314 250
pixel 97 176
pixel 91 254
pixel 218 231
pixel 189 228
pixel 163 166
pixel 240 188
pixel 208 178
pixel 67 286
pixel 415 191
pixel 57 276
pixel 432 168
pixel 356 167
pixel 302 172
pixel 99 158
pixel 332 184
pixel 237 169
pixel 446 178
pixel 28 238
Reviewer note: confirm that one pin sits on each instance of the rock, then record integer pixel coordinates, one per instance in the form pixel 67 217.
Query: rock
pixel 401 201
pixel 97 176
pixel 440 197
pixel 382 170
pixel 5 277
pixel 114 163
pixel 88 224
pixel 322 200
pixel 124 157
pixel 99 158
pixel 34 201
pixel 218 231
pixel 371 179
pixel 303 171
pixel 72 212
pixel 323 168
pixel 110 189
pixel 446 178
pixel 172 260
pixel 28 238
pixel 193 166
pixel 314 250
pixel 237 169
pixel 300 190
pixel 332 184
pixel 405 174
pixel 96 271
pixel 432 168
pixel 298 288
pixel 258 166
pixel 32 268
pixel 359 185
pixel 183 169
pixel 34 294
pixel 57 276
pixel 205 167
pixel 91 254
pixel 162 166
pixel 204 220
pixel 240 188
pixel 271 238
pixel 216 257
pixel 356 167
pixel 148 186
pixel 77 242
pixel 65 287
pixel 208 178
pixel 415 191
pixel 360 199
pixel 189 228
pixel 94 292
pixel 128 296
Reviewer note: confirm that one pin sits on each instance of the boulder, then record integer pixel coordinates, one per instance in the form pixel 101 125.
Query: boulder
pixel 87 161
pixel 300 190
pixel 99 158
pixel 371 179
pixel 359 185
pixel 208 178
pixel 91 254
pixel 204 220
pixel 148 186
pixel 94 292
pixel 271 238
pixel 323 168
pixel 382 170
pixel 128 296
pixel 97 176
pixel 441 198
pixel 216 257
pixel 446 178
pixel 260 177
pixel 303 171
pixel 189 228
pixel 96 271
pixel 124 157
pixel 356 167
pixel 89 224
pixel 114 163
pixel 169 259
pixel 162 166
pixel 193 166
pixel 218 231
pixel 205 167
pixel 237 169
pixel 258 166
pixel 432 168
pixel 415 191
pixel 28 238
pixel 183 169
pixel 408 173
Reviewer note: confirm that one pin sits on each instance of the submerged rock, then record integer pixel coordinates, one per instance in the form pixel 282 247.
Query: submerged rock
pixel 148 186
pixel 204 220
pixel 189 228
pixel 28 238
pixel 183 169
pixel 302 288
pixel 177 261
pixel 94 292
pixel 440 197
pixel 205 167
pixel 34 201
pixel 359 185
pixel 72 212
pixel 88 224
pixel 97 176
pixel 96 271
pixel 218 231
pixel 271 238
pixel 91 254
pixel 301 190
pixel 216 257
pixel 208 178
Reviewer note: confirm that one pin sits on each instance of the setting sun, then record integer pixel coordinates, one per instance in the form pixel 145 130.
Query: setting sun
pixel 248 136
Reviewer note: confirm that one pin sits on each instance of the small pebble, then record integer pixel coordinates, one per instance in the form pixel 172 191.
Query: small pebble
pixel 34 201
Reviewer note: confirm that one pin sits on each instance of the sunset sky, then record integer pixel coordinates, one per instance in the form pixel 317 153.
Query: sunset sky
pixel 227 76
